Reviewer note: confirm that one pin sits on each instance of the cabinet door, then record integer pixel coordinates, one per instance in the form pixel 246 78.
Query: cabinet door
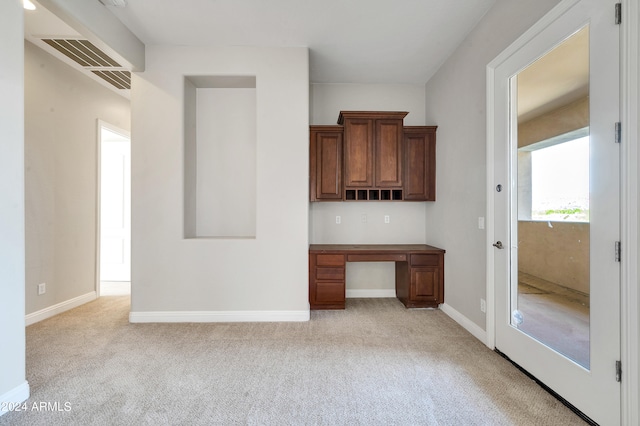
pixel 420 164
pixel 425 285
pixel 388 153
pixel 326 165
pixel 358 152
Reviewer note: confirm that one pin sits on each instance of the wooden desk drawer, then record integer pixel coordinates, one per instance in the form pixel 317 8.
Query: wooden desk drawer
pixel 330 260
pixel 329 292
pixel 425 260
pixel 328 273
pixel 377 257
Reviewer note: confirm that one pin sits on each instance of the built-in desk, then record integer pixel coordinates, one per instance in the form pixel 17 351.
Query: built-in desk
pixel 419 272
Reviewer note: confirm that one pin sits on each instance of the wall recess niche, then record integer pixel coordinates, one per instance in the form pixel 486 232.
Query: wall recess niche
pixel 220 156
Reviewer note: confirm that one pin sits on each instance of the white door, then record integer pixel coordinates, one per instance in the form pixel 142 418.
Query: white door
pixel 556 278
pixel 115 206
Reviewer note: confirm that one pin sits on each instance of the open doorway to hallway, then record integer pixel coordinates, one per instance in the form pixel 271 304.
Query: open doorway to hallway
pixel 115 211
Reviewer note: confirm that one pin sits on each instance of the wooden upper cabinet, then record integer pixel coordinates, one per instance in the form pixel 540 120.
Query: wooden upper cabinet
pixel 373 148
pixel 325 166
pixel 420 163
pixel 370 156
pixel 358 152
pixel 388 149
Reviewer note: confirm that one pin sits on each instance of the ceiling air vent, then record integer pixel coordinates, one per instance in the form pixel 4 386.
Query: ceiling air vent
pixel 88 56
pixel 120 79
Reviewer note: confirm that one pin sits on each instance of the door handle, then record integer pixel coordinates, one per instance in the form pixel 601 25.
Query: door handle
pixel 498 245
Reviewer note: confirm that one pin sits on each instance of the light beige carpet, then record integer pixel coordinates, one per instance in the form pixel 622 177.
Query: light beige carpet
pixel 376 363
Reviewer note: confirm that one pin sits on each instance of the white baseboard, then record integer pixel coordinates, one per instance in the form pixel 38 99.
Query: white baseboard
pixel 219 316
pixel 355 293
pixel 16 395
pixel 465 322
pixel 59 308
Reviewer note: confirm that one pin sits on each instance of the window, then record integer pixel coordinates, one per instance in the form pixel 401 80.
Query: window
pixel 557 185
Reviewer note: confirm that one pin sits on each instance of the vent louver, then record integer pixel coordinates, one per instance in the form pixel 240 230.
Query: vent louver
pixel 120 79
pixel 88 56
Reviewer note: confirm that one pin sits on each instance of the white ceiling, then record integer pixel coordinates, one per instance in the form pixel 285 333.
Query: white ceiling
pixel 41 23
pixel 350 41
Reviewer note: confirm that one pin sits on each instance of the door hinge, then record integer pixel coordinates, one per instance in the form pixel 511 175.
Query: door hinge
pixel 618 251
pixel 618 13
pixel 618 371
pixel 618 134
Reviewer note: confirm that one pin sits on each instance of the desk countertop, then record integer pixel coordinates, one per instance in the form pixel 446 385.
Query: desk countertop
pixel 371 248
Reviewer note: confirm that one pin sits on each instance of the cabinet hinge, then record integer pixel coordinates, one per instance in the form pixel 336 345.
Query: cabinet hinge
pixel 618 133
pixel 618 13
pixel 618 371
pixel 618 251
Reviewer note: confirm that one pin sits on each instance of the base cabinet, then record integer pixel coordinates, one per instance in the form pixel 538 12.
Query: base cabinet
pixel 419 287
pixel 327 281
pixel 424 285
pixel 419 272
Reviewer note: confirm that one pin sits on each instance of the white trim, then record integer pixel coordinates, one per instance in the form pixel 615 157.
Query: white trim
pixel 465 322
pixel 98 234
pixel 59 308
pixel 630 297
pixel 16 395
pixel 370 293
pixel 219 316
pixel 490 214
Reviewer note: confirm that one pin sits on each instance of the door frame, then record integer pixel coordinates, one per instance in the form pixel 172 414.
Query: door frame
pixel 100 124
pixel 630 184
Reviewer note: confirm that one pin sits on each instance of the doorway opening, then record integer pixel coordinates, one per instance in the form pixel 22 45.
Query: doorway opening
pixel 114 188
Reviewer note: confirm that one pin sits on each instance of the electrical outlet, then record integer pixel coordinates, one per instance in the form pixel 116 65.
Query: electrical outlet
pixel 42 288
pixel 338 220
pixel 386 219
pixel 483 305
pixel 363 218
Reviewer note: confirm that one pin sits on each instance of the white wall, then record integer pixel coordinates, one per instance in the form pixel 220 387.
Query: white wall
pixel 327 100
pixel 62 107
pixel 13 384
pixel 455 101
pixel 407 224
pixel 221 276
pixel 226 162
